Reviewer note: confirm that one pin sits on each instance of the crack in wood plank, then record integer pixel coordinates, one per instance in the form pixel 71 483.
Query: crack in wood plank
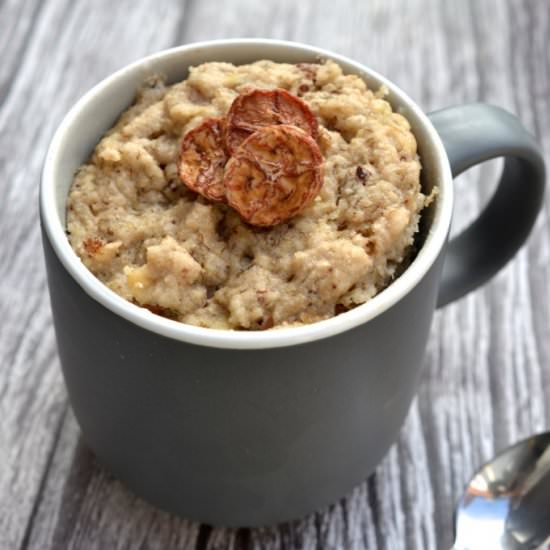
pixel 38 497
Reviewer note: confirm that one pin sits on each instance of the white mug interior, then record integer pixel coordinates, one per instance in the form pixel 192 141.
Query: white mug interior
pixel 97 111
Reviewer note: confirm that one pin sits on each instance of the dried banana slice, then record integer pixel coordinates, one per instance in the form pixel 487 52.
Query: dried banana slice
pixel 273 175
pixel 253 110
pixel 202 159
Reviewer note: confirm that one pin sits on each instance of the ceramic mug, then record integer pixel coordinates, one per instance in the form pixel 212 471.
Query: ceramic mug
pixel 253 428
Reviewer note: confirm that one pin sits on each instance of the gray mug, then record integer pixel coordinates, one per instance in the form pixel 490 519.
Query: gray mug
pixel 254 428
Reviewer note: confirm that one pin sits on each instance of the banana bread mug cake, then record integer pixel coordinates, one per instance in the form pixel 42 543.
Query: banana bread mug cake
pixel 250 197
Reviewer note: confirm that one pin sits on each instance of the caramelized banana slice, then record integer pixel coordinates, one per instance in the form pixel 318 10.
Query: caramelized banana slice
pixel 253 110
pixel 202 159
pixel 273 175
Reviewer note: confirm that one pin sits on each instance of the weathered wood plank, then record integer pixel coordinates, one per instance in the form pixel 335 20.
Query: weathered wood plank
pixel 486 381
pixel 50 56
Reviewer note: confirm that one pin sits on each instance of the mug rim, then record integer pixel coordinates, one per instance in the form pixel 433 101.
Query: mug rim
pixel 254 339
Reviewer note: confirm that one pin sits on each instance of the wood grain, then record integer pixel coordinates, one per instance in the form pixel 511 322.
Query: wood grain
pixel 486 380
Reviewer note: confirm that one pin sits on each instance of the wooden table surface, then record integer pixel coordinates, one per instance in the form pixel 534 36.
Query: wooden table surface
pixel 486 379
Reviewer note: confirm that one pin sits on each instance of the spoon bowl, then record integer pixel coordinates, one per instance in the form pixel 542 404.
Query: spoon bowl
pixel 506 505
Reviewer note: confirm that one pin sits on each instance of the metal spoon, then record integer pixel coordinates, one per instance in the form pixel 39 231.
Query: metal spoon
pixel 506 506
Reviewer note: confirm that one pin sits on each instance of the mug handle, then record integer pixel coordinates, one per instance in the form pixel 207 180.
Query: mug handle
pixel 472 134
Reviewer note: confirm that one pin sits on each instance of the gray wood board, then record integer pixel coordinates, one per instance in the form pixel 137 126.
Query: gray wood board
pixel 486 380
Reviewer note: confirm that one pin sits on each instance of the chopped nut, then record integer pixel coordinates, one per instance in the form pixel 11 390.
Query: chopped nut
pixel 361 173
pixel 92 246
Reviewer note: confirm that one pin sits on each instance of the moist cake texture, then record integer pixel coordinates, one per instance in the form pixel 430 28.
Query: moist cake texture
pixel 161 246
